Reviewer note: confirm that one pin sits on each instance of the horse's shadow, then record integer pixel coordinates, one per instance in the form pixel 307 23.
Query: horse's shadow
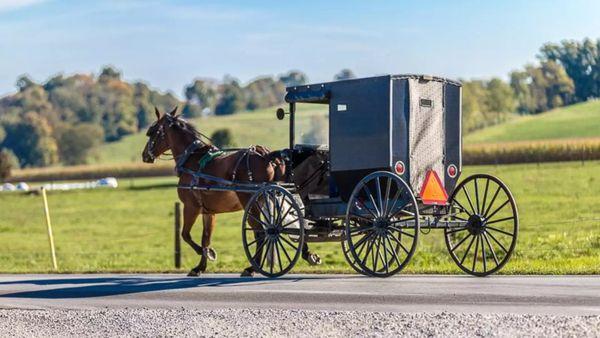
pixel 111 286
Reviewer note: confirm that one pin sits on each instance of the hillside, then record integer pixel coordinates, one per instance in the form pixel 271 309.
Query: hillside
pixel 576 121
pixel 252 127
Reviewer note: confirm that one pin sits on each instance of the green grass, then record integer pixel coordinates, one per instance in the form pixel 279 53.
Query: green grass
pixel 576 121
pixel 248 128
pixel 131 228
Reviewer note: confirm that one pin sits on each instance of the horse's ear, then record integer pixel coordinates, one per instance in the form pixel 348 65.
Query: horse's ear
pixel 157 113
pixel 172 113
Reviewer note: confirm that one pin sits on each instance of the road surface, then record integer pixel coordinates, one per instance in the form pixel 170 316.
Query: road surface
pixel 407 293
pixel 298 305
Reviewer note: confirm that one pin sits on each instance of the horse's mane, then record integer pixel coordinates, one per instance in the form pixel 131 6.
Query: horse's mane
pixel 187 126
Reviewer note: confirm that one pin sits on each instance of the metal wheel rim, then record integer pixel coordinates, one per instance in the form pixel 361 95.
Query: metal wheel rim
pixel 278 256
pixel 490 237
pixel 383 239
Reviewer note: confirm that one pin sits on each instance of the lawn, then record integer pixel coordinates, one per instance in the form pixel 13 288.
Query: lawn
pixel 580 120
pixel 131 228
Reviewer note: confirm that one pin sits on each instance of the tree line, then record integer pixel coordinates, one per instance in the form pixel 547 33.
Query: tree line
pixel 64 118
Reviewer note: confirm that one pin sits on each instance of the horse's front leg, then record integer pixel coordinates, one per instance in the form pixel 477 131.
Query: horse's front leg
pixel 208 226
pixel 190 214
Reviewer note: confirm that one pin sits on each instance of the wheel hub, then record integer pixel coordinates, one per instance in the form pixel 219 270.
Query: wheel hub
pixel 476 224
pixel 272 231
pixel 380 225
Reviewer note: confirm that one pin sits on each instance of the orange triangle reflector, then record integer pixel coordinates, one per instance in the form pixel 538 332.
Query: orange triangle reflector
pixel 433 191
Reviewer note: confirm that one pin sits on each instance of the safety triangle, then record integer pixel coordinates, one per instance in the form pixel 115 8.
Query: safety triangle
pixel 433 191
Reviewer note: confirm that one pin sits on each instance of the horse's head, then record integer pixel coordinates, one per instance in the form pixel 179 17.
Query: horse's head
pixel 158 143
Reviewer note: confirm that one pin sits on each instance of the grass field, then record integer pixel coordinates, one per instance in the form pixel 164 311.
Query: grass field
pixel 131 228
pixel 576 121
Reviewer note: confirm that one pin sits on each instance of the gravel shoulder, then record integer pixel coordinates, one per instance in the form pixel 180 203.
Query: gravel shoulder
pixel 286 323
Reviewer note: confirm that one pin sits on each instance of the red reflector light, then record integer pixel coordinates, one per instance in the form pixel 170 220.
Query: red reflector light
pixel 433 191
pixel 399 168
pixel 452 171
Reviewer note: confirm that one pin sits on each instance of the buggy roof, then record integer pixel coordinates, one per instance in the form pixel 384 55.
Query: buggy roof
pixel 321 92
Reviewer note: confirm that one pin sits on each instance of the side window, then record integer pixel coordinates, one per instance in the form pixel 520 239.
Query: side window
pixel 312 124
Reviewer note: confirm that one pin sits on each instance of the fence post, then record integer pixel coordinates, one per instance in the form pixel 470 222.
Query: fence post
pixel 177 235
pixel 49 229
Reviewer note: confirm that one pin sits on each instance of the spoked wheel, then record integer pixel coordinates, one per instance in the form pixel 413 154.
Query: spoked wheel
pixel 491 223
pixel 382 224
pixel 350 259
pixel 273 231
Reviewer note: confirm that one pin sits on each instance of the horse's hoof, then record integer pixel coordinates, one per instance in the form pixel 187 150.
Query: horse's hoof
pixel 211 254
pixel 193 273
pixel 313 259
pixel 247 273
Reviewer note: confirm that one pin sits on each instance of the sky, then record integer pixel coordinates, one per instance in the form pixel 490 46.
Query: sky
pixel 169 43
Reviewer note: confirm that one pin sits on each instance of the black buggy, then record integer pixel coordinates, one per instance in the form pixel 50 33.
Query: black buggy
pixel 391 172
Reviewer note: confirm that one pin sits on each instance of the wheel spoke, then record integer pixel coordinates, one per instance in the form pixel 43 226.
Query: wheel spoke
pixel 493 200
pixel 500 231
pixel 476 195
pixel 483 254
pixel 487 184
pixel 379 198
pixel 462 207
pixel 388 187
pixel 364 205
pixel 288 243
pixel 290 222
pixel 491 248
pixel 278 255
pixel 264 258
pixel 370 245
pixel 497 242
pixel 361 229
pixel 265 225
pixel 499 208
pixel 284 250
pixel 400 231
pixel 385 256
pixel 398 242
pixel 475 253
pixel 392 250
pixel 468 198
pixel 500 220
pixel 467 251
pixel 394 200
pixel 368 191
pixel 362 218
pixel 460 242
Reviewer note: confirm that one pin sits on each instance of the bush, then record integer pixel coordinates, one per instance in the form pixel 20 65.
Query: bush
pixel 222 138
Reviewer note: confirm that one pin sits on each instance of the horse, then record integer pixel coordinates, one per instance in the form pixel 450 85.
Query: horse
pixel 170 132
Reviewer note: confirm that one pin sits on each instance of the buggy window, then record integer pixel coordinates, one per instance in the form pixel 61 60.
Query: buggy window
pixel 312 124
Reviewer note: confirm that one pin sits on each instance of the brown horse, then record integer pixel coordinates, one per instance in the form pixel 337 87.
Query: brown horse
pixel 257 164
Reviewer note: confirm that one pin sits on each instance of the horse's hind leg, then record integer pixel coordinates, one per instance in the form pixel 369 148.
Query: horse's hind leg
pixel 311 257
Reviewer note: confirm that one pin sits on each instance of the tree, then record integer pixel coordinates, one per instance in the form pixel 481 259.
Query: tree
pixel 109 73
pixel 222 138
pixel 344 74
pixel 76 142
pixel 5 166
pixel 264 92
pixel 31 140
pixel 499 100
pixel 201 94
pixel 24 82
pixel 293 78
pixel 231 99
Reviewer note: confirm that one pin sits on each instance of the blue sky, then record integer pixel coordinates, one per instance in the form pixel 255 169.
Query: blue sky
pixel 168 43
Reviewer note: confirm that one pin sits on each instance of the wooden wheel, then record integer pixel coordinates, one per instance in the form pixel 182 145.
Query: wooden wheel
pixel 273 231
pixel 487 240
pixel 382 224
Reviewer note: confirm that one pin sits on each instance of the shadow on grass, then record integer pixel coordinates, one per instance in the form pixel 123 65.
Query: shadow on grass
pixel 111 286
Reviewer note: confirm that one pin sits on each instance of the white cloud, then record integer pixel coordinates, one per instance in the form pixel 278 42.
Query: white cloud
pixel 9 5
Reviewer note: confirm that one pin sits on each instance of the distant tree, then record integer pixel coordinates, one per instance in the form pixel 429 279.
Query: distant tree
pixel 76 142
pixel 499 100
pixel 109 73
pixel 581 61
pixel 318 132
pixel 24 82
pixel 222 138
pixel 344 74
pixel 264 92
pixel 202 94
pixel 31 140
pixel 473 105
pixel 231 98
pixel 5 166
pixel 293 78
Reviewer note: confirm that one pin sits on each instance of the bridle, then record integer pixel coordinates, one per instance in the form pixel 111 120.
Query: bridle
pixel 160 134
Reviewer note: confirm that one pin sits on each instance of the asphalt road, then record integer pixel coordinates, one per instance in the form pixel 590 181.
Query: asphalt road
pixel 554 295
